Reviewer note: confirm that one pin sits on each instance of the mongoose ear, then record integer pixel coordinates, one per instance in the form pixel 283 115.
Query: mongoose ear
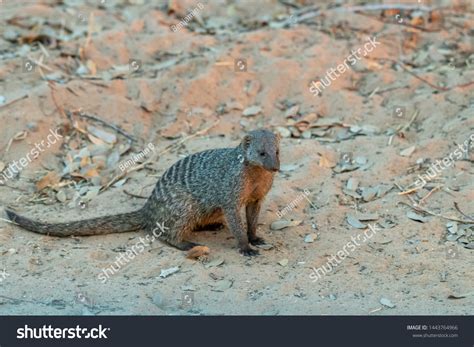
pixel 246 141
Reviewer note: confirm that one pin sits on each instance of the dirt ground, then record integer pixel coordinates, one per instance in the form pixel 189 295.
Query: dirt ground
pixel 228 68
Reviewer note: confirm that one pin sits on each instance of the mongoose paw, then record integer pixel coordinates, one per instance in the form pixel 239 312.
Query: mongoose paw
pixel 257 241
pixel 248 252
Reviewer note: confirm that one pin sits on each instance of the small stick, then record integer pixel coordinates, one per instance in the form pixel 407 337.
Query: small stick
pixel 51 85
pixel 442 89
pixel 313 11
pixel 375 310
pixel 378 7
pixel 409 191
pixel 40 63
pixel 402 24
pixel 8 221
pixel 461 212
pixel 287 3
pixel 418 208
pixel 390 139
pixel 103 122
pixel 141 189
pixel 14 100
pixel 407 126
pixel 135 195
pixel 408 195
pixel 429 193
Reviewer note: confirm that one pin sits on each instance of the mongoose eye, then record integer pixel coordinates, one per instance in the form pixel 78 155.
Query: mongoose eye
pixel 262 154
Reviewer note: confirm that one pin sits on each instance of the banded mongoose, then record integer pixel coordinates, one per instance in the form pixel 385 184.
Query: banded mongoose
pixel 200 190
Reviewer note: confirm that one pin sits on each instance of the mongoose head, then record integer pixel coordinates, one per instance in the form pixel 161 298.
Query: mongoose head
pixel 262 149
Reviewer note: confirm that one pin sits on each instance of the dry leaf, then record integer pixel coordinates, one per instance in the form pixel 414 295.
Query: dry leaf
pixel 417 217
pixel 386 302
pixel 305 122
pixel 354 222
pixel 252 111
pixel 50 180
pixel 282 224
pixel 103 135
pixel 407 151
pixel 327 162
pixel 214 263
pixel 292 111
pixel 168 272
pixel 95 140
pixel 85 161
pixel 92 172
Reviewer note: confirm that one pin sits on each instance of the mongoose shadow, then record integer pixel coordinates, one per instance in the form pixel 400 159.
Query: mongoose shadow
pixel 203 189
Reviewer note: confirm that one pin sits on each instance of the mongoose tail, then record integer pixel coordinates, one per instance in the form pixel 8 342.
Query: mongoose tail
pixel 119 223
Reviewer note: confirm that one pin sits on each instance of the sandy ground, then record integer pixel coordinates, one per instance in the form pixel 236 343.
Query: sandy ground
pixel 366 121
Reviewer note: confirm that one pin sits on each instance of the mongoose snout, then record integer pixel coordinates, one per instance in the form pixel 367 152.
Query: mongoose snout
pixel 200 190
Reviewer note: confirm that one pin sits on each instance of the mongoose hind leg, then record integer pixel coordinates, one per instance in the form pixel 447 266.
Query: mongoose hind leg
pixel 210 221
pixel 182 245
pixel 252 211
pixel 234 222
pixel 210 227
pixel 175 237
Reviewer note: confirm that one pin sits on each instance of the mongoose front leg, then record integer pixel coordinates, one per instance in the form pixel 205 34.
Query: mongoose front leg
pixel 253 210
pixel 234 222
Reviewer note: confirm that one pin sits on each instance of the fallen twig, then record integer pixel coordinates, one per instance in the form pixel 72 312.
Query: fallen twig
pixel 135 195
pixel 378 7
pixel 410 122
pixel 52 87
pixel 8 221
pixel 310 12
pixel 408 25
pixel 418 208
pixel 103 122
pixel 13 101
pixel 441 89
pixel 422 200
pixel 461 212
pixel 409 191
pixel 40 63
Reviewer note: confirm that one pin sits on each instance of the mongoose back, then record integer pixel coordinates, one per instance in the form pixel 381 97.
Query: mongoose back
pixel 202 189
